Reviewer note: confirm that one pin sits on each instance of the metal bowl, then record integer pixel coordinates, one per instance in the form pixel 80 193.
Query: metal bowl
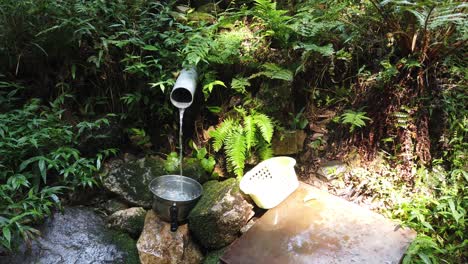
pixel 174 197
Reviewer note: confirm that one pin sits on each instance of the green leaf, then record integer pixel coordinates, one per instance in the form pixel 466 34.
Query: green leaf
pixel 42 169
pixel 425 258
pixel 265 125
pixel 249 130
pixel 456 215
pixel 150 48
pixel 222 131
pixel 208 164
pixel 201 153
pixel 7 234
pixel 274 71
pixel 25 163
pixel 207 88
pixel 239 84
pixel 326 50
pixel 355 119
pixel 236 151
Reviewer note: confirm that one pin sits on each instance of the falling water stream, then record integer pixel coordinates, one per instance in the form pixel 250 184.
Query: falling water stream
pixel 181 122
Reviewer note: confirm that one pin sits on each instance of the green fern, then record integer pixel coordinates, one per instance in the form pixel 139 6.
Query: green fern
pixel 353 118
pixel 197 50
pixel 275 20
pixel 243 137
pixel 265 151
pixel 402 117
pixel 265 125
pixel 221 133
pixel 274 71
pixel 239 84
pixel 250 129
pixel 236 150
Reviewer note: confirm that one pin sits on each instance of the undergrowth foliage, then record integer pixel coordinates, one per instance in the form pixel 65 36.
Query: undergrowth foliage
pixel 39 161
pixel 393 72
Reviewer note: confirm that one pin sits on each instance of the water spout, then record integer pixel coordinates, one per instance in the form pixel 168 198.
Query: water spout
pixel 182 97
pixel 184 88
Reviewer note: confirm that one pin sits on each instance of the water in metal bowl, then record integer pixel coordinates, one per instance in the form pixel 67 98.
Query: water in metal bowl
pixel 174 197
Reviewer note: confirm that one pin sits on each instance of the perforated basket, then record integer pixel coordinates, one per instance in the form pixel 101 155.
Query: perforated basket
pixel 271 181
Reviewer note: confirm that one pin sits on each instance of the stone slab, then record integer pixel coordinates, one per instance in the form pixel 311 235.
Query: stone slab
pixel 312 226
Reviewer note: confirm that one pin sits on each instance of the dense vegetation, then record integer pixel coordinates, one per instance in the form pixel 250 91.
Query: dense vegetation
pixel 393 72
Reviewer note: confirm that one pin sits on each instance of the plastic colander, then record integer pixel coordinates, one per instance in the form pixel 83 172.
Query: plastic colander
pixel 271 181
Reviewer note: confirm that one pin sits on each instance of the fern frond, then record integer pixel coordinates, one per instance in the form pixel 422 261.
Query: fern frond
pixel 265 125
pixel 239 84
pixel 236 151
pixel 196 50
pixel 274 71
pixel 221 133
pixel 354 118
pixel 265 151
pixel 249 131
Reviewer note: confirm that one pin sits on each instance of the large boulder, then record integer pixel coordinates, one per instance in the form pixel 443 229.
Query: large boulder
pixel 129 220
pixel 130 179
pixel 78 235
pixel 220 214
pixel 158 245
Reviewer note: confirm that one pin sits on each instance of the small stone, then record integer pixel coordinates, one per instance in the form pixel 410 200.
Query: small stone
pixel 129 220
pixel 111 206
pixel 331 169
pixel 158 245
pixel 220 214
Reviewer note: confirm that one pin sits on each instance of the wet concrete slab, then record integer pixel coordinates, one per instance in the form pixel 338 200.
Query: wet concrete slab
pixel 312 226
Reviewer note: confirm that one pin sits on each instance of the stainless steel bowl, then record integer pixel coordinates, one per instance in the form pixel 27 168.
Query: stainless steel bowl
pixel 174 197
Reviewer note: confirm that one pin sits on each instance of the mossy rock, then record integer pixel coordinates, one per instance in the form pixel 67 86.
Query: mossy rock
pixel 129 220
pixel 126 244
pixel 76 235
pixel 213 257
pixel 220 214
pixel 130 179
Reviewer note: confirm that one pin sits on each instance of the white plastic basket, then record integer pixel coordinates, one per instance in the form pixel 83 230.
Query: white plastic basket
pixel 271 181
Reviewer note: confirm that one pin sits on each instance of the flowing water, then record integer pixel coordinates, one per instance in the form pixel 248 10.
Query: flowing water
pixel 181 122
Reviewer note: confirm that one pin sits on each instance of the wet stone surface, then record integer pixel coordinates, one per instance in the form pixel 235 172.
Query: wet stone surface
pixel 312 226
pixel 77 236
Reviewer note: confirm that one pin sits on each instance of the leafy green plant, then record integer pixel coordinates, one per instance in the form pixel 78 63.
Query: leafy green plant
pixel 249 133
pixel 39 160
pixel 274 20
pixel 140 138
pixel 298 121
pixel 354 119
pixel 207 161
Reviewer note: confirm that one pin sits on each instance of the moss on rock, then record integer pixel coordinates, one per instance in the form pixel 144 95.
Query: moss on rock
pixel 130 179
pixel 129 220
pixel 213 256
pixel 220 214
pixel 126 244
pixel 192 168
